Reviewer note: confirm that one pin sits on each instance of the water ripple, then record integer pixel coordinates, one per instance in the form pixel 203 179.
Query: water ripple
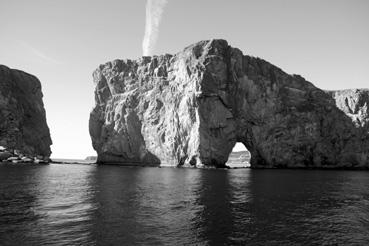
pixel 112 205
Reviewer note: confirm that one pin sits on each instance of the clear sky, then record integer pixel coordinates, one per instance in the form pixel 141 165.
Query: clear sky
pixel 63 41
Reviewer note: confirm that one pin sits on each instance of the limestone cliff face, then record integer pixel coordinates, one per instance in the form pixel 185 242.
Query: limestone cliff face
pixel 22 115
pixel 191 108
pixel 355 104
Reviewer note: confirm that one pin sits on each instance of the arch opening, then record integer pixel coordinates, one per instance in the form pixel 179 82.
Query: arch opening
pixel 239 157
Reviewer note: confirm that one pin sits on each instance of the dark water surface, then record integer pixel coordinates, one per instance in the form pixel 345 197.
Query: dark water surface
pixel 114 205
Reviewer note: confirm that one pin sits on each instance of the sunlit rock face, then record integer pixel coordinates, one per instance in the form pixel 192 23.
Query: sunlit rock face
pixel 191 108
pixel 23 124
pixel 355 104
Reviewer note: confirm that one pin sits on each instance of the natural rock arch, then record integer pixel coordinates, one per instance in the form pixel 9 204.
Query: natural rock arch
pixel 239 157
pixel 191 108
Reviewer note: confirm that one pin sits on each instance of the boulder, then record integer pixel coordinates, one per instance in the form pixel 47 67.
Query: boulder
pixel 5 155
pixel 13 158
pixel 26 159
pixel 189 109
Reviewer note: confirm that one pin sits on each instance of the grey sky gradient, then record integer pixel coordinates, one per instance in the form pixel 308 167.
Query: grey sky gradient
pixel 63 41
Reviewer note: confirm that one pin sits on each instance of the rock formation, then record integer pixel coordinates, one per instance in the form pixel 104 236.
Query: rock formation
pixel 23 129
pixel 191 108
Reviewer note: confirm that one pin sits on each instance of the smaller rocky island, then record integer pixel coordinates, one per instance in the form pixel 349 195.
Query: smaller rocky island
pixel 91 158
pixel 24 133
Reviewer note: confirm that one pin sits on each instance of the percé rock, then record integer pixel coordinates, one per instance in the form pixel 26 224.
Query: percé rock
pixel 23 127
pixel 192 107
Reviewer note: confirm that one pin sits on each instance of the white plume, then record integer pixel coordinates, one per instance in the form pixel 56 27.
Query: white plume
pixel 154 10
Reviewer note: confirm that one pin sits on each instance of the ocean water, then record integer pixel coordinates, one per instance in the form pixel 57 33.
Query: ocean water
pixel 114 205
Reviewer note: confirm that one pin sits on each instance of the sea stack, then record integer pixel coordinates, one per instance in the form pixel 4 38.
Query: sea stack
pixel 24 133
pixel 189 109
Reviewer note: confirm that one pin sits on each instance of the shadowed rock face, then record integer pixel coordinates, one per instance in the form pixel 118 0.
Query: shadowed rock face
pixel 191 109
pixel 22 115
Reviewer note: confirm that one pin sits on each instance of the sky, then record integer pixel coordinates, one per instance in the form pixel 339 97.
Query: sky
pixel 63 41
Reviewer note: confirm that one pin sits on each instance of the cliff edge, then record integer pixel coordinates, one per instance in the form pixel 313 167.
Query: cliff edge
pixel 192 107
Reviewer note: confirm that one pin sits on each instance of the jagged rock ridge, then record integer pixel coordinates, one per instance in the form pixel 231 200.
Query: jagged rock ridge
pixel 23 127
pixel 191 108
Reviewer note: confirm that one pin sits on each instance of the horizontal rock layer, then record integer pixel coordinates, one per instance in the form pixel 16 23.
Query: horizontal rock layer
pixel 23 124
pixel 191 108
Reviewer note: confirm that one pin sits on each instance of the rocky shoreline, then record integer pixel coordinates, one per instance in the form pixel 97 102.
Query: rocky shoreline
pixel 15 157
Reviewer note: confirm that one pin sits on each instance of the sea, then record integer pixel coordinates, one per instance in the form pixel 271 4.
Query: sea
pixel 73 204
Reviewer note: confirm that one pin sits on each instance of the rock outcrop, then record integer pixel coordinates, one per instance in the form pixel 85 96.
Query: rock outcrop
pixel 191 108
pixel 23 129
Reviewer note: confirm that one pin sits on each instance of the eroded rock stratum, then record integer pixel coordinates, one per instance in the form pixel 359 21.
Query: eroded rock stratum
pixel 23 124
pixel 192 107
